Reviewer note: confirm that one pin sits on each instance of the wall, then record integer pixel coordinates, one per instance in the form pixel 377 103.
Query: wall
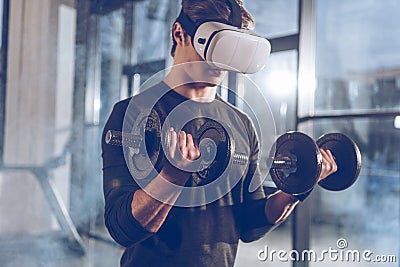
pixel 38 107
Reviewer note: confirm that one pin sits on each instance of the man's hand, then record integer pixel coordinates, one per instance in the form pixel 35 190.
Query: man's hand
pixel 182 148
pixel 329 165
pixel 182 152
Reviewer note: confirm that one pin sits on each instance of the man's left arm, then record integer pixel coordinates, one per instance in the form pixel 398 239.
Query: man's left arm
pixel 280 205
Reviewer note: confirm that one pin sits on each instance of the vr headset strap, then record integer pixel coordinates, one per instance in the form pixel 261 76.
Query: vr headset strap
pixel 187 23
pixel 236 13
pixel 190 26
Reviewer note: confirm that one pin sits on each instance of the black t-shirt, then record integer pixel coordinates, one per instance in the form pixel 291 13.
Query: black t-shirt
pixel 198 235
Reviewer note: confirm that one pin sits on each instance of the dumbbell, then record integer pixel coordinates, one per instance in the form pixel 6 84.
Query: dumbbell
pixel 297 162
pixel 146 143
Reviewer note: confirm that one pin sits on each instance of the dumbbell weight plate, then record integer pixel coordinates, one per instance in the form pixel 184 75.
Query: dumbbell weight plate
pixel 143 160
pixel 347 157
pixel 215 148
pixel 309 163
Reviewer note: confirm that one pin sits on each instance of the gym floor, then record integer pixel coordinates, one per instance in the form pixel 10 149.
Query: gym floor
pixel 103 254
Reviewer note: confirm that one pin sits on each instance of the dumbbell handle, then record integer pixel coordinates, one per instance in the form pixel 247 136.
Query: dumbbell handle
pixel 118 138
pixel 133 141
pixel 240 158
pixel 284 162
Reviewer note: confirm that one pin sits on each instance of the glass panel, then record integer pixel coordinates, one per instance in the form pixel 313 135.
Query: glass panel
pixel 366 215
pixel 1 34
pixel 357 57
pixel 278 83
pixel 150 42
pixel 1 20
pixel 274 18
pixel 111 60
pixel 151 32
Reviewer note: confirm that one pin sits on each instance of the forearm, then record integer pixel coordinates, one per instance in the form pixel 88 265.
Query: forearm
pixel 279 206
pixel 151 205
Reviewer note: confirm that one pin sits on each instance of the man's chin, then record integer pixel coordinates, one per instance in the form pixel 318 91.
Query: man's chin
pixel 208 81
pixel 205 84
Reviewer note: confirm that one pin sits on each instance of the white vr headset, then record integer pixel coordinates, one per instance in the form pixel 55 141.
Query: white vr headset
pixel 226 45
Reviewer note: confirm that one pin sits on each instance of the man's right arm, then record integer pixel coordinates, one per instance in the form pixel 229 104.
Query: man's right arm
pixel 133 214
pixel 151 205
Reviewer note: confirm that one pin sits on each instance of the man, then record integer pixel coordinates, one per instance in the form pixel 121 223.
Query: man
pixel 141 215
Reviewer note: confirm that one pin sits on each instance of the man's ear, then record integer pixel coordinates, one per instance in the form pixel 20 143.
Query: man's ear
pixel 179 35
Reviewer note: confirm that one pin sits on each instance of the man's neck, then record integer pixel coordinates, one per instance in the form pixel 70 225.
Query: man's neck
pixel 196 91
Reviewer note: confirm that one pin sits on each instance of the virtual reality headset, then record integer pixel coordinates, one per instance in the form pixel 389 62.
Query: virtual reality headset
pixel 225 45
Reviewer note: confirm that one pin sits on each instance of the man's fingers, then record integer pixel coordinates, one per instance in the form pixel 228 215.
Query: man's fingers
pixel 328 152
pixel 333 162
pixel 183 150
pixel 193 151
pixel 182 143
pixel 328 162
pixel 173 142
pixel 326 165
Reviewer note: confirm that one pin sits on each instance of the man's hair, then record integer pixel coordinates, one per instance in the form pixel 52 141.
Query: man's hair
pixel 199 10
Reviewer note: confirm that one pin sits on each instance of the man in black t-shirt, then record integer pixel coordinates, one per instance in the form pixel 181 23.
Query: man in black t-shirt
pixel 166 219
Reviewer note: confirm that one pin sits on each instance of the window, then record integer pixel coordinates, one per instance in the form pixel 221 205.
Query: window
pixel 358 93
pixel 275 18
pixel 358 61
pixel 366 215
pixel 3 70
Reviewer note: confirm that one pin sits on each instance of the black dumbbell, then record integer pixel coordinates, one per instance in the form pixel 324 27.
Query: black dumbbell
pixel 297 162
pixel 146 144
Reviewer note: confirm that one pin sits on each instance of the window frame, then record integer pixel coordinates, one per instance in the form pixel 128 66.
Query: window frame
pixel 3 73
